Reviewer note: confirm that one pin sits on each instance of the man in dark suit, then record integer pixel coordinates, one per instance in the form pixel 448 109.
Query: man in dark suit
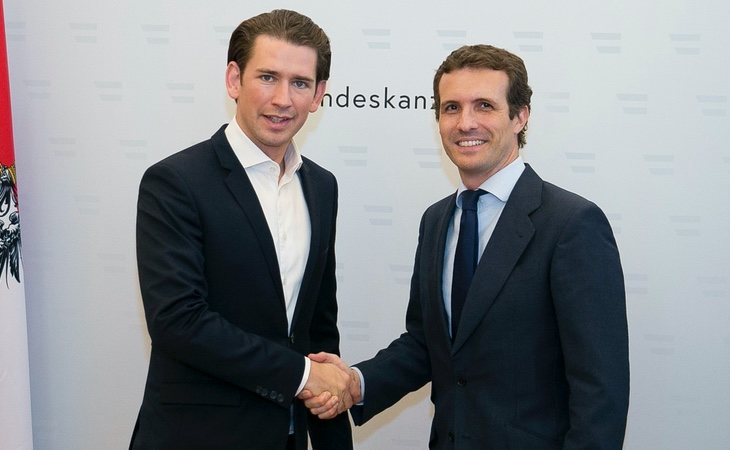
pixel 535 356
pixel 235 245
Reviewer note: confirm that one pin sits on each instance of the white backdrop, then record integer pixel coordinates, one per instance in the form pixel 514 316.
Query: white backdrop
pixel 630 110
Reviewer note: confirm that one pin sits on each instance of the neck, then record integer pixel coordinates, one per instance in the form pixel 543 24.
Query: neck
pixel 472 180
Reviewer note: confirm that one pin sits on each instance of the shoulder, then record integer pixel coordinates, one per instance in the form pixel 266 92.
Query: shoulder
pixel 315 170
pixel 435 213
pixel 210 154
pixel 534 192
pixel 570 214
pixel 317 177
pixel 445 203
pixel 557 197
pixel 187 159
pixel 189 170
pixel 196 165
pixel 550 206
pixel 568 210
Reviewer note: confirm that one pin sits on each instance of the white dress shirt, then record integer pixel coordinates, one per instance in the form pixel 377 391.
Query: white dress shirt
pixel 282 200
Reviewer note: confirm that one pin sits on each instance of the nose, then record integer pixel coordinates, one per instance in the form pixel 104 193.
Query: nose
pixel 282 96
pixel 467 120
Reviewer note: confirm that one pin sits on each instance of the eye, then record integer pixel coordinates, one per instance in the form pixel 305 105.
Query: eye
pixel 449 107
pixel 485 105
pixel 266 78
pixel 300 84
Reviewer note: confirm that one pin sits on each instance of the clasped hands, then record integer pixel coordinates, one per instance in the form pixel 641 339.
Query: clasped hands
pixel 332 387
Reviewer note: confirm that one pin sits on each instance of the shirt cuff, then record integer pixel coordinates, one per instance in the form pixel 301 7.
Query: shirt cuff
pixel 362 386
pixel 305 376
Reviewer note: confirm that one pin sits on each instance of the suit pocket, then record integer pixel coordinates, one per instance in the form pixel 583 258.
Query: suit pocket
pixel 199 394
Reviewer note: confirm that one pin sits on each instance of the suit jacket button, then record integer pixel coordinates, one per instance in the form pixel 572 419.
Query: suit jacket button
pixel 264 392
pixel 461 382
pixel 291 338
pixel 273 395
pixel 280 398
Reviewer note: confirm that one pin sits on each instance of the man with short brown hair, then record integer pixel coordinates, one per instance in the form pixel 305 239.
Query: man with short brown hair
pixel 517 312
pixel 235 248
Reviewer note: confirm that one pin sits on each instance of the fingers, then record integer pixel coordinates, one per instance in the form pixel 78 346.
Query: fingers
pixel 330 414
pixel 329 389
pixel 320 401
pixel 332 408
pixel 327 377
pixel 327 409
pixel 330 358
pixel 324 405
pixel 320 357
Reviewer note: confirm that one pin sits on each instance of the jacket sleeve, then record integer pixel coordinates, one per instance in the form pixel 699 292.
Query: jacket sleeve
pixel 590 306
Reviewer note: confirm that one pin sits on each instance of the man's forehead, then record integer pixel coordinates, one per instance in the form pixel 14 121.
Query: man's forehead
pixel 474 82
pixel 273 54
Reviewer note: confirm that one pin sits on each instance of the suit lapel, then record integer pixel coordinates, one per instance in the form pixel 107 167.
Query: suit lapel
pixel 313 206
pixel 245 195
pixel 513 232
pixel 435 261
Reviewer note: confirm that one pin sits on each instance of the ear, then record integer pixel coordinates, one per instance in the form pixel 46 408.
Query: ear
pixel 318 94
pixel 233 80
pixel 521 118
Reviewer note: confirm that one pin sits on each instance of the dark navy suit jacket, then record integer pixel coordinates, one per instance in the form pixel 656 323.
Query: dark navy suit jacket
pixel 541 357
pixel 223 367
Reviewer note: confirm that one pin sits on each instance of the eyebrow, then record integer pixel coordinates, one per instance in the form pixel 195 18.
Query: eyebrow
pixel 476 100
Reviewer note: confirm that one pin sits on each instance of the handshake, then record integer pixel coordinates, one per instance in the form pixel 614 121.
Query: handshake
pixel 332 387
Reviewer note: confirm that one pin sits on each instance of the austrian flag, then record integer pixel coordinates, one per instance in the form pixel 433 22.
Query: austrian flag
pixel 15 414
pixel 9 217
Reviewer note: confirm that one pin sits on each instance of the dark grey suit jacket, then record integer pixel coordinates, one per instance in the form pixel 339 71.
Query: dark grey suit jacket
pixel 223 367
pixel 541 358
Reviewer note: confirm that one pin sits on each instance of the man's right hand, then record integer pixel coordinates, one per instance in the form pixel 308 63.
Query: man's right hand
pixel 329 383
pixel 324 405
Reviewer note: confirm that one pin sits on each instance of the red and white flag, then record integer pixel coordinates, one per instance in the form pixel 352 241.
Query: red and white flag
pixel 15 417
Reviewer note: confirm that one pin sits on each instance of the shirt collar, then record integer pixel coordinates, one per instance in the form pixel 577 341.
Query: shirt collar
pixel 249 155
pixel 501 183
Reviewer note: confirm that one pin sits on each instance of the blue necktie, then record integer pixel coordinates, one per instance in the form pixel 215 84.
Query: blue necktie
pixel 466 255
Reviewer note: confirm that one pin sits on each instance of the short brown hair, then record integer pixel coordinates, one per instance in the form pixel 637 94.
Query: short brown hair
pixel 286 25
pixel 483 56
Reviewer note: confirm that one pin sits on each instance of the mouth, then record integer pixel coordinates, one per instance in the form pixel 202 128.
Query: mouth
pixel 277 119
pixel 471 143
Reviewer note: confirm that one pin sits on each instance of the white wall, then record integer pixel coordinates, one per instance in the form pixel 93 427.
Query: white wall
pixel 630 110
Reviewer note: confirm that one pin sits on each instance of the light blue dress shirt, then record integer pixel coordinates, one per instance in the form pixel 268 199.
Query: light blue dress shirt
pixel 498 187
